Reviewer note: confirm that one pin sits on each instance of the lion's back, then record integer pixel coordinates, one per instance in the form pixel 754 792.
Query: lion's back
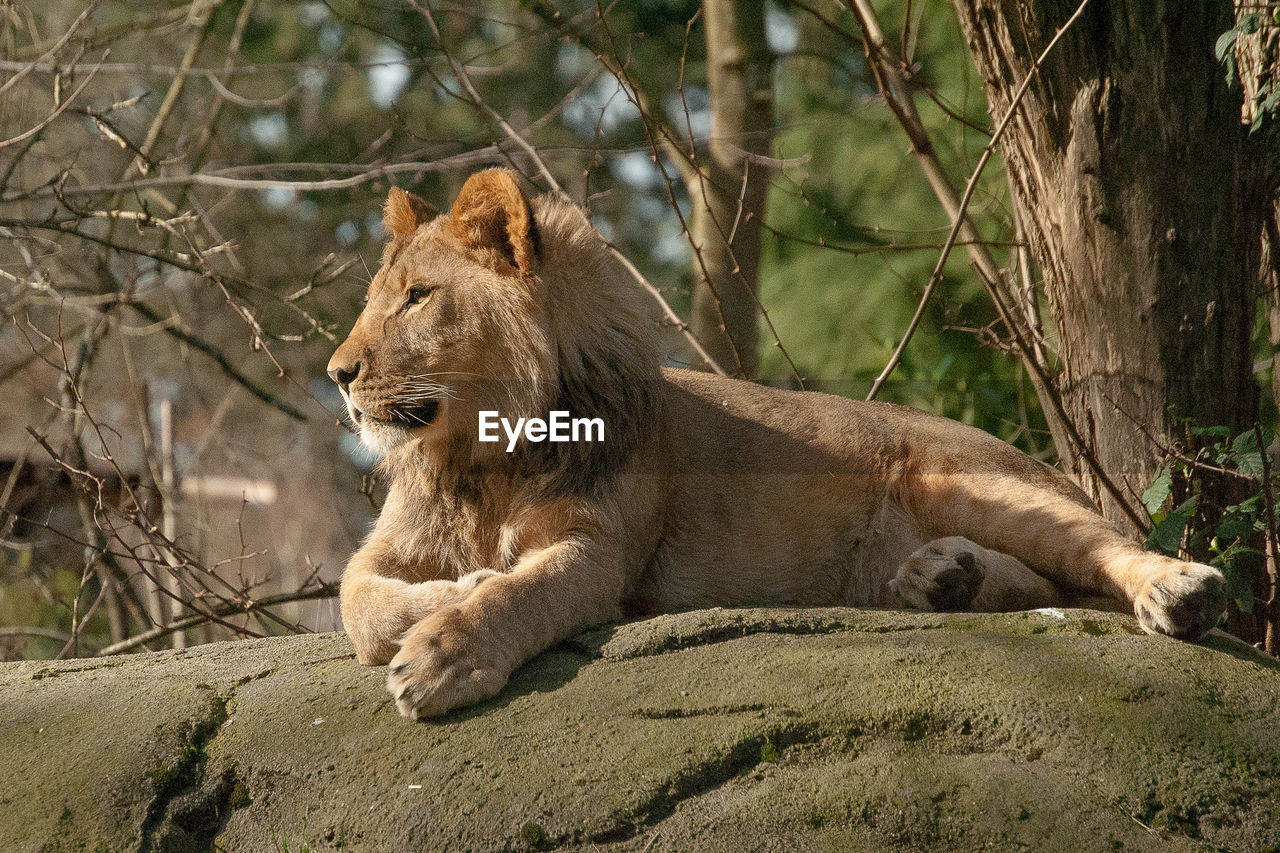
pixel 752 425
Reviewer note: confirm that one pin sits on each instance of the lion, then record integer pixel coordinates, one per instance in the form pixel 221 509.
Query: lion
pixel 705 491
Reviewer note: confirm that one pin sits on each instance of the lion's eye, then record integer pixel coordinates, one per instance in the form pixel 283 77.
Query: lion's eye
pixel 419 294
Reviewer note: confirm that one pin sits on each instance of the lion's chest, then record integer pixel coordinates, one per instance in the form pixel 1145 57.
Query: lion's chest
pixel 443 536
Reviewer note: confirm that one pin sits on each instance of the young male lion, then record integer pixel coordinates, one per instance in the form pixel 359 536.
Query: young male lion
pixel 705 491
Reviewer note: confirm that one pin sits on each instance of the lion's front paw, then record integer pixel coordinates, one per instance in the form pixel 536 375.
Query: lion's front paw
pixel 1183 601
pixel 441 665
pixel 944 575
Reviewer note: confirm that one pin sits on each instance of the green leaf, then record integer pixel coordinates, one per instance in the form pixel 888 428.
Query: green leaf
pixel 1270 109
pixel 1167 535
pixel 1238 587
pixel 1244 454
pixel 1250 464
pixel 1245 442
pixel 1235 529
pixel 1249 506
pixel 1222 48
pixel 1154 497
pixel 1231 67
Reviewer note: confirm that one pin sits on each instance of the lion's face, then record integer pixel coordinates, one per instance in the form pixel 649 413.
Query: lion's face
pixel 452 323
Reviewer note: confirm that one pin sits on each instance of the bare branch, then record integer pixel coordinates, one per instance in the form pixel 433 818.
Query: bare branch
pixel 26 68
pixel 258 608
pixel 51 117
pixel 219 358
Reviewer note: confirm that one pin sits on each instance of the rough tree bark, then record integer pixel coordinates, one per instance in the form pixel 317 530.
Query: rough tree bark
pixel 1131 170
pixel 728 194
pixel 1257 55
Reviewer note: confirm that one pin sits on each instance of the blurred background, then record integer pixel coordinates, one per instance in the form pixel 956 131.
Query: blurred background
pixel 190 204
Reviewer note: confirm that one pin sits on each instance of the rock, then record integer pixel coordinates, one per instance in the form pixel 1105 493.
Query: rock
pixel 716 730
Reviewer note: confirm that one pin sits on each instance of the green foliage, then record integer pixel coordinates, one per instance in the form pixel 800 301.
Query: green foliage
pixel 1231 535
pixel 41 594
pixel 1268 94
pixel 855 232
pixel 1224 49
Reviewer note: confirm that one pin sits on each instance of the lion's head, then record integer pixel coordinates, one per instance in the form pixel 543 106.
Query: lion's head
pixel 501 304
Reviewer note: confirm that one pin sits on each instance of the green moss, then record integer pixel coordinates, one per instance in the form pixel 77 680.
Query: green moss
pixel 532 834
pixel 184 772
pixel 239 797
pixel 187 764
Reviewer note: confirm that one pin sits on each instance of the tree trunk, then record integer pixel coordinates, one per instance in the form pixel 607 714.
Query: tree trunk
pixel 1130 169
pixel 1268 588
pixel 1271 290
pixel 728 194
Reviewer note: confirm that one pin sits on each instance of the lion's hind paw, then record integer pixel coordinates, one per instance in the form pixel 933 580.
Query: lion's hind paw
pixel 1183 601
pixel 944 575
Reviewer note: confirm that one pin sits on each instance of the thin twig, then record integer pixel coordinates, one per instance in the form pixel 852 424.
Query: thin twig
pixel 51 117
pixel 27 68
pixel 249 606
pixel 219 358
pixel 219 178
pixel 34 631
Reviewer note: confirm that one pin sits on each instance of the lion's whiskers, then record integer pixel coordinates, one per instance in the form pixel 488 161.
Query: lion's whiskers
pixel 408 417
pixel 421 392
pixel 441 373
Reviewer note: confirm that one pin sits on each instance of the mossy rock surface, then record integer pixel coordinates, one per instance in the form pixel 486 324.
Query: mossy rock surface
pixel 730 730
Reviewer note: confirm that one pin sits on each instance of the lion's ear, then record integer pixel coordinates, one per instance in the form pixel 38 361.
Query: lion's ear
pixel 404 212
pixel 492 218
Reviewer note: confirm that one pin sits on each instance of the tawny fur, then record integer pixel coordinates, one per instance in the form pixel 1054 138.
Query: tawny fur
pixel 707 491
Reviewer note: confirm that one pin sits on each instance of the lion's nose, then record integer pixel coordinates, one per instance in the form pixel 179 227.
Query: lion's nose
pixel 344 375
